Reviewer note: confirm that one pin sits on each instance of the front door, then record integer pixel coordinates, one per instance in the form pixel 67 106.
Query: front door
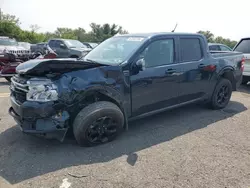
pixel 156 86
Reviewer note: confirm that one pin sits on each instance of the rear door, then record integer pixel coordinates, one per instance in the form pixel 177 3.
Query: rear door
pixel 194 82
pixel 244 47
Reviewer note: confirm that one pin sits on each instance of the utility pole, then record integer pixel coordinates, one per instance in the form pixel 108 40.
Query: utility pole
pixel 0 14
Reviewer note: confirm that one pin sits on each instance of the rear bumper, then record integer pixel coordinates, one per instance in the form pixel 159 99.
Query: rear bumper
pixel 35 118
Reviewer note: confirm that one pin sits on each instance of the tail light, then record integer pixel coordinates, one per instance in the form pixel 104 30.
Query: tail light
pixel 242 64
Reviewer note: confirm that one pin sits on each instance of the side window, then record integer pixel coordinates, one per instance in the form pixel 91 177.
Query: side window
pixel 214 48
pixel 224 48
pixel 160 52
pixel 190 49
pixel 51 44
pixel 58 43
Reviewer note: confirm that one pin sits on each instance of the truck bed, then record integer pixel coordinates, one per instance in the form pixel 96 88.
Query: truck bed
pixel 218 54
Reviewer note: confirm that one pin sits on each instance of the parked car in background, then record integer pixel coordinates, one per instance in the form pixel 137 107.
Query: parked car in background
pixel 10 45
pixel 90 44
pixel 124 78
pixel 38 48
pixel 244 46
pixel 218 47
pixel 68 48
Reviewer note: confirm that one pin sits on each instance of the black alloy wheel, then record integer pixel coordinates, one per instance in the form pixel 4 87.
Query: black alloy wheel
pixel 102 130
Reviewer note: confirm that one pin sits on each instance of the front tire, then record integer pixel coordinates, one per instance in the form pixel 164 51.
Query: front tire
pixel 222 94
pixel 98 123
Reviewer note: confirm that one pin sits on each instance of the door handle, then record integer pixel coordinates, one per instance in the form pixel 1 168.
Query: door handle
pixel 200 66
pixel 170 71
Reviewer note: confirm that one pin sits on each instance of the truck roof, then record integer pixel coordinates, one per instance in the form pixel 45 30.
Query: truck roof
pixel 149 35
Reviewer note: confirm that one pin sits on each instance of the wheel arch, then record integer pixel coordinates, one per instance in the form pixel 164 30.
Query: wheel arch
pixel 105 94
pixel 228 73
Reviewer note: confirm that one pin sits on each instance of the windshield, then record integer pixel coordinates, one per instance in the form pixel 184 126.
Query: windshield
pixel 8 42
pixel 243 46
pixel 114 50
pixel 74 44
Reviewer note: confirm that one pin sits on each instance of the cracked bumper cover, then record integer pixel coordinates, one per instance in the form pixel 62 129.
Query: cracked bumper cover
pixel 40 118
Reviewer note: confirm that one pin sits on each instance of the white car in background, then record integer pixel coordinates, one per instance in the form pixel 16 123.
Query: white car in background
pixel 10 45
pixel 244 46
pixel 26 45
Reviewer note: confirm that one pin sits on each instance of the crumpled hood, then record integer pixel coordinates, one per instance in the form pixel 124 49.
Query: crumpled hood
pixel 41 67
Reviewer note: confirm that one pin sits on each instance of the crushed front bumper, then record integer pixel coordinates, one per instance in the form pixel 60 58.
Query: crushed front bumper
pixel 40 119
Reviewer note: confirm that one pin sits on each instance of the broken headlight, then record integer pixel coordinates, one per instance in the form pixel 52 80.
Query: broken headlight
pixel 41 91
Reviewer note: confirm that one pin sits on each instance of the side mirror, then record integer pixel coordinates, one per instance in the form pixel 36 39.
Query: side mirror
pixel 140 64
pixel 62 46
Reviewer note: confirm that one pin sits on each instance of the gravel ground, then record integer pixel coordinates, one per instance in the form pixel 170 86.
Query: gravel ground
pixel 188 147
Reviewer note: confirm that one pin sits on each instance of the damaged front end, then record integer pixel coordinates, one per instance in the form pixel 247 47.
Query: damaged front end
pixel 35 108
pixel 37 104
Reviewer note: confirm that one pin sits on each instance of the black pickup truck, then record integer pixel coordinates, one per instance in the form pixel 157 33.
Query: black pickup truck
pixel 124 78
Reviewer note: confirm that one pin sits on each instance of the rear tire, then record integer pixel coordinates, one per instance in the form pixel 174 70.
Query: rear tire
pixel 98 123
pixel 222 94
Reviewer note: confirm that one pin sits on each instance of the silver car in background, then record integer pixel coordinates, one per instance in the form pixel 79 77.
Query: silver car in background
pixel 219 47
pixel 244 46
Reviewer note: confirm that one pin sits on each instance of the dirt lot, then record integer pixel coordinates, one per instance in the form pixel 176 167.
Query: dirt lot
pixel 188 147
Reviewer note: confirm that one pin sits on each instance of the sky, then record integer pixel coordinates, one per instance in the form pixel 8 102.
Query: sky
pixel 223 18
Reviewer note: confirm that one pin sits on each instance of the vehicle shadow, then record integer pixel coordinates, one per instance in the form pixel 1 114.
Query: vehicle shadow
pixel 23 157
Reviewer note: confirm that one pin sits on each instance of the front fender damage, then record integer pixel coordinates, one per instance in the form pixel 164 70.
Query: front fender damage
pixel 76 89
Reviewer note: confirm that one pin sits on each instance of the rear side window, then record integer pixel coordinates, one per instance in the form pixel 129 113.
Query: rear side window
pixel 243 46
pixel 190 49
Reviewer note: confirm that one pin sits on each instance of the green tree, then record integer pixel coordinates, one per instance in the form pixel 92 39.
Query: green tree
pixel 208 35
pixel 34 27
pixel 10 18
pixel 227 42
pixel 9 29
pixel 102 32
pixel 211 38
pixel 66 33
